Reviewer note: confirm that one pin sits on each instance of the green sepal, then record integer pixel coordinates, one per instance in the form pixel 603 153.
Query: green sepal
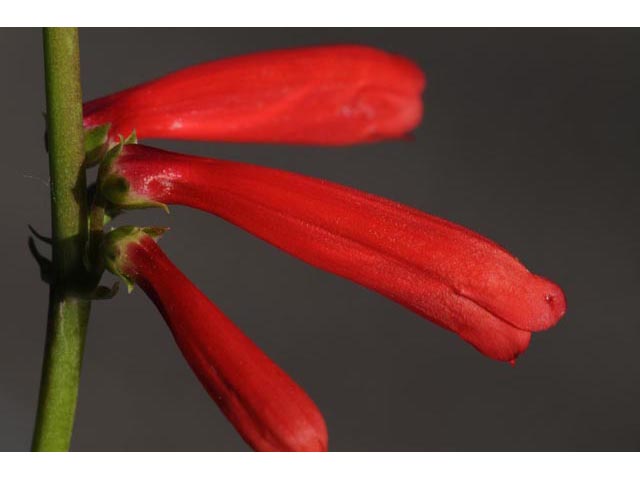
pixel 132 139
pixel 115 188
pixel 155 232
pixel 114 243
pixel 95 144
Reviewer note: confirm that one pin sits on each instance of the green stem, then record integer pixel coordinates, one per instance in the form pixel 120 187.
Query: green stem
pixel 96 230
pixel 68 314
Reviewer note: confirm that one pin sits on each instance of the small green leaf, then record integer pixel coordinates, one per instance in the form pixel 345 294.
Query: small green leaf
pixel 95 137
pixel 39 236
pixel 44 264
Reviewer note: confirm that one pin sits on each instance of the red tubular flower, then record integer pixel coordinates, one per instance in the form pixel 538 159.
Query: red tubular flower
pixel 451 275
pixel 265 405
pixel 331 95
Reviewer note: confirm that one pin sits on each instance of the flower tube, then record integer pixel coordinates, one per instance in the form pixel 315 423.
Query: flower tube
pixel 328 95
pixel 444 272
pixel 269 410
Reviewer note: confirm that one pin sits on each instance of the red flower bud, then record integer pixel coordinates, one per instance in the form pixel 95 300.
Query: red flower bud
pixel 332 95
pixel 265 405
pixel 451 275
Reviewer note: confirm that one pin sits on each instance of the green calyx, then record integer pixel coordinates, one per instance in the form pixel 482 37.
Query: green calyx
pixel 111 195
pixel 115 189
pixel 114 246
pixel 96 143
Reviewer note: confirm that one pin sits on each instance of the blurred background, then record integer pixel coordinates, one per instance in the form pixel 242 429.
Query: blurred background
pixel 530 137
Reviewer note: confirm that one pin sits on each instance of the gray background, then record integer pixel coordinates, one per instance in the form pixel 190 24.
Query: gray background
pixel 529 137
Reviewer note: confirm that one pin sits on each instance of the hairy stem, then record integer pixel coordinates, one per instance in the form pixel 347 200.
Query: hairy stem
pixel 68 313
